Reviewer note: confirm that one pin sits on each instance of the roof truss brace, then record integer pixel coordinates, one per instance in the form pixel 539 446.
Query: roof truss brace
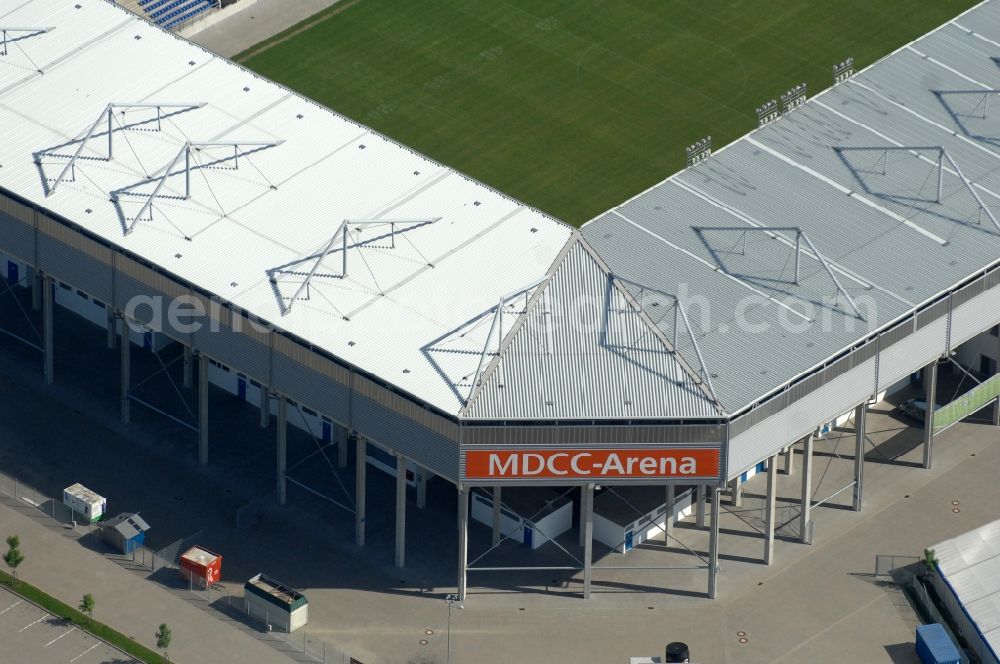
pixel 680 315
pixel 942 156
pixel 342 234
pixel 108 115
pixel 185 154
pixel 6 31
pixel 497 326
pixel 800 236
pixel 986 94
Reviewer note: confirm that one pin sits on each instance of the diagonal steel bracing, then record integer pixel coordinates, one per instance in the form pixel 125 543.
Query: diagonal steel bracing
pixel 107 115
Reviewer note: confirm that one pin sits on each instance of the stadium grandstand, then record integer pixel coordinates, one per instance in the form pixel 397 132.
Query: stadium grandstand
pixel 685 338
pixel 170 14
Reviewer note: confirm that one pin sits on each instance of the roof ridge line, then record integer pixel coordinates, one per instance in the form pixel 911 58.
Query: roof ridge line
pixel 577 238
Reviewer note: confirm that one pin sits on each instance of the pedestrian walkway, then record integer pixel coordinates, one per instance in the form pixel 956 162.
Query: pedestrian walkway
pixel 255 23
pixel 58 563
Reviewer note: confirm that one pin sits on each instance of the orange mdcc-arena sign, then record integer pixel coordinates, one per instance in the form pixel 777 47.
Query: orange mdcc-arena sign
pixel 592 464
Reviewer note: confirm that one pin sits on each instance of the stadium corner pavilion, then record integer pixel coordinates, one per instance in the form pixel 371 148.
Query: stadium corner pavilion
pixel 683 339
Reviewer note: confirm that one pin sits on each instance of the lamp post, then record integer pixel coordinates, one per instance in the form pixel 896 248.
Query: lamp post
pixel 450 599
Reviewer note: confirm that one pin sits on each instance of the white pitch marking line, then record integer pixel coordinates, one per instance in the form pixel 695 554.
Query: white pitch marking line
pixel 85 651
pixel 10 607
pixel 34 623
pixel 71 629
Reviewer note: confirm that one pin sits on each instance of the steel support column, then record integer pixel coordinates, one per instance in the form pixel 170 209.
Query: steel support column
pixel 48 304
pixel 769 508
pixel 126 370
pixel 342 438
pixel 496 515
pixel 421 488
pixel 112 330
pixel 806 510
pixel 188 371
pixel 463 541
pixel 36 289
pixel 360 480
pixel 583 509
pixel 699 508
pixel 790 460
pixel 282 449
pixel 860 419
pixel 265 406
pixel 930 401
pixel 713 545
pixel 736 492
pixel 668 518
pixel 587 528
pixel 996 411
pixel 400 510
pixel 202 409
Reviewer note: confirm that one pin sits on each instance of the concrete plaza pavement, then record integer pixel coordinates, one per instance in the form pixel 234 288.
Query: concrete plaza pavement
pixel 816 603
pixel 56 563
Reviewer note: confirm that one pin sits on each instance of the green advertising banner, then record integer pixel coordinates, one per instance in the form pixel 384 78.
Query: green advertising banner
pixel 967 404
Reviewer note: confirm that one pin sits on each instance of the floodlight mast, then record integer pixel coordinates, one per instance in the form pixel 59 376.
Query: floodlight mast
pixel 108 112
pixel 843 70
pixel 342 234
pixel 31 32
pixel 698 151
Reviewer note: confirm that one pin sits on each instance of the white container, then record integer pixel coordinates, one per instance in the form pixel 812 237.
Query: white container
pixel 85 502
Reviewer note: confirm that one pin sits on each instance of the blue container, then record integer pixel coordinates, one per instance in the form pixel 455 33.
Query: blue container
pixel 935 647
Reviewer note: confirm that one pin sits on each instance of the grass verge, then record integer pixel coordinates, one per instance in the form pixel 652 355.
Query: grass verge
pixel 68 613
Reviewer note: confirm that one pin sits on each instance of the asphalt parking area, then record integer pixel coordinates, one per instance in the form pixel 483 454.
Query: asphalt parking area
pixel 29 634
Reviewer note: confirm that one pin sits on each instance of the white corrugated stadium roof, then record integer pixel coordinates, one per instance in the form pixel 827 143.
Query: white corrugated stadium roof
pixel 971 565
pixel 416 314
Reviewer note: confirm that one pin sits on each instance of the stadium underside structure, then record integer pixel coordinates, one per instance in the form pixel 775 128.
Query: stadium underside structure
pixel 684 338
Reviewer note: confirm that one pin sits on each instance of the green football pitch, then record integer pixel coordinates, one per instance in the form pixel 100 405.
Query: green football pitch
pixel 575 105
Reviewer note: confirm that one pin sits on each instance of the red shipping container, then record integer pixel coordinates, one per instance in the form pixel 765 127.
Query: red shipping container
pixel 201 566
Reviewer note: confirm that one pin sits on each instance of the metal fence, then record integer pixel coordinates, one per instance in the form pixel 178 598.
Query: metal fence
pixel 54 508
pixel 885 565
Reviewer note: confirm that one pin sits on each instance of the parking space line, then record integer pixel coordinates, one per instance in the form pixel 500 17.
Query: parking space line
pixel 10 607
pixel 85 651
pixel 34 623
pixel 71 629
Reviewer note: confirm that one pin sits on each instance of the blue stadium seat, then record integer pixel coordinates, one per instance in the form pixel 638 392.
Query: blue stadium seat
pixel 171 13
